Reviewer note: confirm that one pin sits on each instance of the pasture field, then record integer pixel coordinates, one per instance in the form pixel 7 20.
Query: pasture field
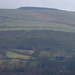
pixel 35 25
pixel 27 52
pixel 17 19
pixel 16 55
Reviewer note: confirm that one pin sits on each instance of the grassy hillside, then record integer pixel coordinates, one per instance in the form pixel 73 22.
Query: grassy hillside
pixel 37 19
pixel 37 41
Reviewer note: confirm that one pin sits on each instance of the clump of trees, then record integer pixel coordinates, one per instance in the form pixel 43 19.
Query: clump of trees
pixel 44 66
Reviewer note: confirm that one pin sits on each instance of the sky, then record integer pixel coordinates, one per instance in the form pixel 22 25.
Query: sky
pixel 68 5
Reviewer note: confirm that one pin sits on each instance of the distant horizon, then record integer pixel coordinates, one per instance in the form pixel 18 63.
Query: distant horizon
pixel 39 7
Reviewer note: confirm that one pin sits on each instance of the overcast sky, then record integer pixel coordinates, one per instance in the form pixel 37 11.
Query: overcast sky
pixel 59 4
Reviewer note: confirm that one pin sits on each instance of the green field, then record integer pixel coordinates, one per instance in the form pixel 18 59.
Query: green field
pixel 16 55
pixel 27 52
pixel 36 25
pixel 17 19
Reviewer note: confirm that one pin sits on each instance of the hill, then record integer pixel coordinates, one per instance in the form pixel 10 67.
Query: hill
pixel 37 41
pixel 36 18
pixel 27 52
pixel 37 8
